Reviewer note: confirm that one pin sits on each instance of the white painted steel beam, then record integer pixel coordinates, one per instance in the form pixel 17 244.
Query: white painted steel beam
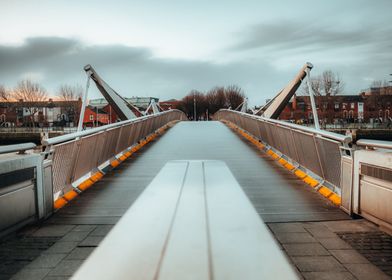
pixel 192 222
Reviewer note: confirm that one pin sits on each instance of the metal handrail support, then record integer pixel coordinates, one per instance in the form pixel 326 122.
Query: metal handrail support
pixel 371 144
pixel 20 148
pixel 318 151
pixel 324 133
pixel 71 136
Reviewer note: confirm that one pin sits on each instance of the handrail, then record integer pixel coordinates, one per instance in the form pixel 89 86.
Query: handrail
pixel 374 143
pixel 327 134
pixel 71 136
pixel 21 148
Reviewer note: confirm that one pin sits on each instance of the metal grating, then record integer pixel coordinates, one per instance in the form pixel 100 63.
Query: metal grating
pixel 376 172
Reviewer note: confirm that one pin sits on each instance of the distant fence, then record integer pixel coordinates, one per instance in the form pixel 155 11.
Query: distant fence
pixel 74 155
pixel 38 129
pixel 318 151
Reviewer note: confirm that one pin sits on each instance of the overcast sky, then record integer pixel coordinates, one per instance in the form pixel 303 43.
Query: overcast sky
pixel 167 48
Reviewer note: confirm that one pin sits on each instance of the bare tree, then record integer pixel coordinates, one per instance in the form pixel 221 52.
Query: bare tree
pixel 4 94
pixel 328 84
pixel 68 93
pixel 187 104
pixel 379 83
pixel 216 99
pixel 30 93
pixel 234 96
pixel 332 83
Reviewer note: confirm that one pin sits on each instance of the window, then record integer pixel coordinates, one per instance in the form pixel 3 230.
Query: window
pixel 352 105
pixel 336 106
pixel 91 117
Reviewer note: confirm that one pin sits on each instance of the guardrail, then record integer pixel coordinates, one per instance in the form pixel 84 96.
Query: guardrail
pixel 319 151
pixel 371 144
pixel 38 129
pixel 21 148
pixel 75 155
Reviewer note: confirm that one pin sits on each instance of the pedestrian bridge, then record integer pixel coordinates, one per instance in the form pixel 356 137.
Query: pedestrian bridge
pixel 305 184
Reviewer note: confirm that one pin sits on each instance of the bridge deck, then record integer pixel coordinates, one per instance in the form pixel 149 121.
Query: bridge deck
pixel 277 195
pixel 298 216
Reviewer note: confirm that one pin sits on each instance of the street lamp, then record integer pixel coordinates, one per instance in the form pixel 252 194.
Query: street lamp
pixel 194 107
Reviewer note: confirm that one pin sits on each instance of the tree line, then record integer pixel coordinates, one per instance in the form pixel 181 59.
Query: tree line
pixel 30 91
pixel 207 103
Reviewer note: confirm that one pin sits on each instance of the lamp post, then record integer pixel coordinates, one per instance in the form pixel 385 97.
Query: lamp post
pixel 194 107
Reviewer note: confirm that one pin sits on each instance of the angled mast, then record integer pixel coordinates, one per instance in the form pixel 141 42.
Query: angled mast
pixel 124 109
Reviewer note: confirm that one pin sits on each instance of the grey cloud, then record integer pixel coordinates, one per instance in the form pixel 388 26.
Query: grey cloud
pixel 130 70
pixel 292 35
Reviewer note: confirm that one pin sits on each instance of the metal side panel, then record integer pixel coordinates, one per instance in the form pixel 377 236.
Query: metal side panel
pixel 346 183
pixel 17 205
pixel 376 198
pixel 19 197
pixel 48 189
pixel 372 187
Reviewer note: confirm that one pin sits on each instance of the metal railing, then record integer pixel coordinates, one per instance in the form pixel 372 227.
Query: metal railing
pixel 316 150
pixel 21 148
pixel 374 144
pixel 74 155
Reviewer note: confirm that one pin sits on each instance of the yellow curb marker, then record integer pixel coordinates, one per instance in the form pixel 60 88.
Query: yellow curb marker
pixel 333 197
pixel 63 200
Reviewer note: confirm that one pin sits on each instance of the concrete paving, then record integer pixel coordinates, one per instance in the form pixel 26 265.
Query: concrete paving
pixel 308 227
pixel 318 252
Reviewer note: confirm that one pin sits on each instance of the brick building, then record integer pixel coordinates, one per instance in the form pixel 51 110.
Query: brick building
pixel 373 105
pixel 39 113
pixel 94 116
pixel 169 104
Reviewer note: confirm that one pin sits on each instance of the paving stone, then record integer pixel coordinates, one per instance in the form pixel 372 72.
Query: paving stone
pixel 328 276
pixel 66 268
pixel 75 236
pixel 101 230
pixel 366 272
pixel 307 225
pixel 348 256
pixel 334 243
pixel 31 274
pixel 351 226
pixel 46 261
pixel 286 227
pixel 53 230
pixel 317 264
pixel 18 250
pixel 294 237
pixel 88 228
pixel 321 231
pixel 80 253
pixel 305 249
pixel 62 247
pixel 91 241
